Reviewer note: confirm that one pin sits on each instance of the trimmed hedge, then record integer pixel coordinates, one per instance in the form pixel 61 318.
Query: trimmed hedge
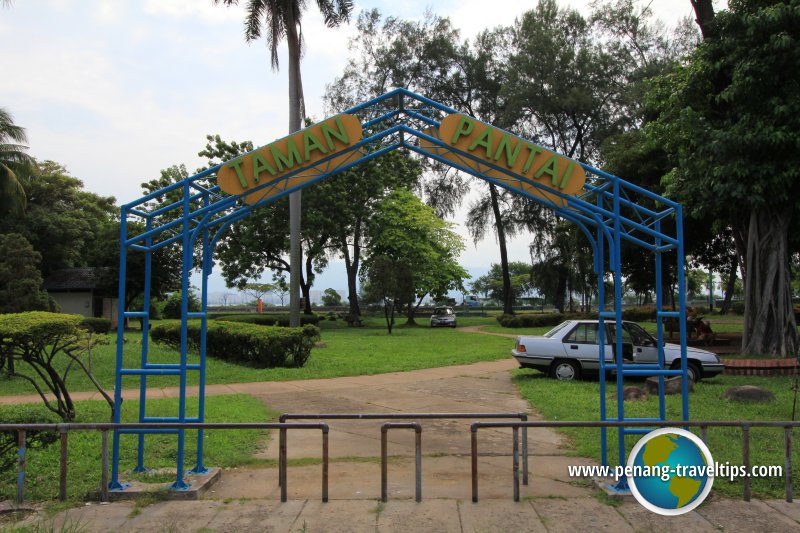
pixel 639 314
pixel 267 319
pixel 258 346
pixel 536 320
pixel 96 325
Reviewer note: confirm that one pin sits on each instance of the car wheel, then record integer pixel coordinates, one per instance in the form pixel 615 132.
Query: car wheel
pixel 565 370
pixel 693 372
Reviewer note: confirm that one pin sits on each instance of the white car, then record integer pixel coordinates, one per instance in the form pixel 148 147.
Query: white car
pixel 443 316
pixel 571 348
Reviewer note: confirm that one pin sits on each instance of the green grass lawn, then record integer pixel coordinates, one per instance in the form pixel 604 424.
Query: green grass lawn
pixel 222 448
pixel 557 400
pixel 343 351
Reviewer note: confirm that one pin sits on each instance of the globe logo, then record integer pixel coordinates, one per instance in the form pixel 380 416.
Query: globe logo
pixel 671 471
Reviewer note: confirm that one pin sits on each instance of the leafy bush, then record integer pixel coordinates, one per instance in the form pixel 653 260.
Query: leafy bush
pixel 268 319
pixel 33 347
pixel 536 320
pixel 259 346
pixel 23 414
pixel 639 314
pixel 96 325
pixel 172 307
pixel 737 308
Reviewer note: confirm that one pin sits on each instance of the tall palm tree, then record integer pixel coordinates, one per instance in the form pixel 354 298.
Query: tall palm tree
pixel 279 19
pixel 12 157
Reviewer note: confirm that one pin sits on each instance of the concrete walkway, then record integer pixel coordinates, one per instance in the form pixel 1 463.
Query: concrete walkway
pixel 247 499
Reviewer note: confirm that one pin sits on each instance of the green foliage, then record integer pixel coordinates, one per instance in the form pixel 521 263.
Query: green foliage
pixel 387 282
pixel 331 298
pixel 536 320
pixel 490 285
pixel 409 233
pixel 172 307
pixel 96 324
pixel 34 440
pixel 20 280
pixel 33 346
pixel 62 221
pixel 266 319
pixel 13 156
pixel 731 114
pixel 639 314
pixel 254 345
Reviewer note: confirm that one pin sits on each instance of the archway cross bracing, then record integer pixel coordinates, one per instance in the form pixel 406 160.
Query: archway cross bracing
pixel 195 213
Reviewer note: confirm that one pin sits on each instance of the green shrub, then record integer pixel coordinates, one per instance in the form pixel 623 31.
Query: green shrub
pixel 172 307
pixel 268 319
pixel 737 308
pixel 96 325
pixel 639 314
pixel 24 414
pixel 258 346
pixel 43 348
pixel 536 320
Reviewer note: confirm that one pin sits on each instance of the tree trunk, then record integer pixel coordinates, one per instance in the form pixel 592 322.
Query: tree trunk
pixel 351 265
pixel 704 14
pixel 508 296
pixel 306 282
pixel 559 301
pixel 769 323
pixel 295 124
pixel 730 287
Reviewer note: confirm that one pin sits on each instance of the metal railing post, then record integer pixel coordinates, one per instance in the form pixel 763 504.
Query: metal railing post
pixel 417 457
pixel 515 460
pixel 325 464
pixel 20 466
pixel 474 458
pixel 746 461
pixel 787 442
pixel 282 463
pixel 62 477
pixel 524 418
pixel 104 467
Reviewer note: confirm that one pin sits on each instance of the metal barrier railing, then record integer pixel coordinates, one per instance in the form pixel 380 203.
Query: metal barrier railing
pixel 421 416
pixel 283 427
pixel 63 430
pixel 417 457
pixel 703 425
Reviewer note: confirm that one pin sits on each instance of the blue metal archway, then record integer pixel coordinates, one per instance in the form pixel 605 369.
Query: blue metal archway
pixel 195 213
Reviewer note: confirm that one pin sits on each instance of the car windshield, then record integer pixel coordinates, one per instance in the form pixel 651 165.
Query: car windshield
pixel 442 311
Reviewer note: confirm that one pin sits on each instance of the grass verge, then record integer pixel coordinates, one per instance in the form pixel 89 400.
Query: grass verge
pixel 557 400
pixel 343 351
pixel 222 448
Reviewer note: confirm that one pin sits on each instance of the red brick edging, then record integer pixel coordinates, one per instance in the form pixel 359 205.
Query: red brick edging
pixel 759 367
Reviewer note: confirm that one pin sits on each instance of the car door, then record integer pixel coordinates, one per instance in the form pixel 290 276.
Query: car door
pixel 645 348
pixel 581 343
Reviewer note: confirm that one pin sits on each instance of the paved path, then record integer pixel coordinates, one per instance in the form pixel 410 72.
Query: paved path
pixel 247 499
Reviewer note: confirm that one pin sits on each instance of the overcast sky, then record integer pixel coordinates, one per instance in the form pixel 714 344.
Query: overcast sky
pixel 117 90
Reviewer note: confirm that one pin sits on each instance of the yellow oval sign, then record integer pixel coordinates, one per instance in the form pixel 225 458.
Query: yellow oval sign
pixel 499 148
pixel 299 150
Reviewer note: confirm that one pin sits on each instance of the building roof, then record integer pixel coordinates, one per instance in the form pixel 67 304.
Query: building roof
pixel 72 279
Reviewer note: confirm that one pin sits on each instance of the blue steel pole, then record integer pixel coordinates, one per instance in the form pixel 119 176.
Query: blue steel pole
pixel 618 322
pixel 114 484
pixel 180 484
pixel 148 261
pixel 600 270
pixel 199 467
pixel 662 410
pixel 682 309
